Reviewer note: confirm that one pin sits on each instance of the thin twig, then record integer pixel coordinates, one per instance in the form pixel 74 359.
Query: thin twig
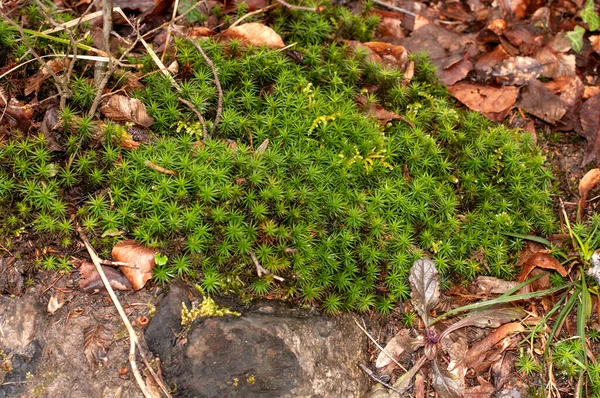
pixel 197 112
pixel 410 13
pixel 107 24
pixel 160 169
pixel 214 71
pixel 168 39
pixel 133 340
pixel 372 375
pixel 380 347
pixel 260 270
pixel 248 15
pixel 294 7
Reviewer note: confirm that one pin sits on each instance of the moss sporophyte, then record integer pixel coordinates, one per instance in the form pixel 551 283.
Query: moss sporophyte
pixel 334 203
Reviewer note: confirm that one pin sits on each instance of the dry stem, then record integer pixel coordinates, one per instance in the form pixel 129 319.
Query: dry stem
pixel 260 270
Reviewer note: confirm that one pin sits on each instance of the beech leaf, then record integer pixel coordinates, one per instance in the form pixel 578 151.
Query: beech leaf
pixel 126 109
pixel 139 259
pixel 90 279
pixel 255 34
pixel 425 287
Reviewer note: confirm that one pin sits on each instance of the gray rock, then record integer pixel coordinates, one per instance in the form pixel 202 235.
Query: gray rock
pixel 270 351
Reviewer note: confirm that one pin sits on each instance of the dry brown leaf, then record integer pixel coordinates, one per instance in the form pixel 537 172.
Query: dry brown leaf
pixel 490 59
pixel 516 71
pixel 255 34
pixel 588 181
pixel 199 31
pixel 126 109
pixel 569 88
pixel 390 28
pixel 486 285
pixel 391 55
pixel 90 279
pixel 456 346
pixel 590 123
pixel 544 261
pixel 56 302
pixel 139 260
pixel 96 340
pixel 456 72
pixel 555 64
pixel 503 370
pixel 399 344
pixel 541 102
pixel 485 389
pixel 590 91
pixel 34 82
pixel 478 356
pixel 595 42
pixel 485 99
pixel 15 114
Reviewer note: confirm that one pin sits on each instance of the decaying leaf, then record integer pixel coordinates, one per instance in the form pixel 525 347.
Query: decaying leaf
pixel 493 344
pixel 90 279
pixel 399 344
pixel 541 260
pixel 14 114
pixel 139 259
pixel 126 109
pixel 456 346
pixel 262 147
pixel 55 65
pixel 595 42
pixel 538 100
pixel 96 340
pixel 555 64
pixel 486 285
pixel 56 302
pixel 455 72
pixel 443 382
pixel 491 318
pixel 255 34
pixel 485 99
pixel 587 183
pixel 590 124
pixel 516 71
pixel 425 287
pixel 485 389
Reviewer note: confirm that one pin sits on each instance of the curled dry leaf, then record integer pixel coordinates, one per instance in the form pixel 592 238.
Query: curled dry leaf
pixel 485 99
pixel 96 340
pixel 56 302
pixel 485 389
pixel 55 65
pixel 126 109
pixel 588 181
pixel 255 34
pixel 443 382
pixel 139 260
pixel 15 114
pixel 492 318
pixel 425 287
pixel 456 346
pixel 90 279
pixel 486 285
pixel 399 344
pixel 590 124
pixel 541 260
pixel 497 341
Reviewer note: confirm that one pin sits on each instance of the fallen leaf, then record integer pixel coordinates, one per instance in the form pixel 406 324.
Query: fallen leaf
pixel 14 114
pixel 590 123
pixel 425 287
pixel 399 344
pixel 595 42
pixel 390 54
pixel 541 102
pixel 262 147
pixel 199 31
pixel 378 112
pixel 55 66
pixel 139 260
pixel 455 72
pixel 503 370
pixel 541 260
pixel 390 28
pixel 587 182
pixel 516 71
pixel 443 382
pixel 555 64
pixel 569 88
pixel 492 318
pixel 477 354
pixel 90 279
pixel 126 109
pixel 56 302
pixel 486 285
pixel 96 340
pixel 485 99
pixel 456 346
pixel 590 91
pixel 485 389
pixel 255 34
pixel 489 60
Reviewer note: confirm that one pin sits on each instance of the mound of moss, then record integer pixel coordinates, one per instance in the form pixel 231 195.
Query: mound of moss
pixel 294 174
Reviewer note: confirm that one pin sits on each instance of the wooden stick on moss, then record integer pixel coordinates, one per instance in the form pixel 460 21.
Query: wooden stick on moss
pixel 260 270
pixel 133 340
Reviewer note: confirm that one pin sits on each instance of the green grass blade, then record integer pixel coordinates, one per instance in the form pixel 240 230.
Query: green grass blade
pixel 532 238
pixel 525 283
pixel 562 315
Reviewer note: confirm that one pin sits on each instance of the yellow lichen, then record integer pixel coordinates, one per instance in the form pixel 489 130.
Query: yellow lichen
pixel 208 308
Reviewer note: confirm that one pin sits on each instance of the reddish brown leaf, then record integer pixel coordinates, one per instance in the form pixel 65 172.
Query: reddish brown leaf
pixel 588 181
pixel 478 356
pixel 485 389
pixel 485 99
pixel 90 279
pixel 126 109
pixel 555 64
pixel 395 56
pixel 15 114
pixel 455 72
pixel 199 31
pixel 96 340
pixel 541 102
pixel 569 88
pixel 595 42
pixel 255 34
pixel 139 260
pixel 390 28
pixel 590 123
pixel 541 260
pixel 488 60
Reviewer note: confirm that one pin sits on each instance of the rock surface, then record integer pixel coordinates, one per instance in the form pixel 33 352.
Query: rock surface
pixel 269 351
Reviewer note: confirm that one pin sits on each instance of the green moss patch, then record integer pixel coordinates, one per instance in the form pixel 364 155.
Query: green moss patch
pixel 337 205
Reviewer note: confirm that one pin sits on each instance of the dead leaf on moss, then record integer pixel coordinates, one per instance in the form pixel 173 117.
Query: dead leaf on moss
pixel 139 260
pixel 590 123
pixel 126 109
pixel 480 355
pixel 390 54
pixel 455 72
pixel 516 71
pixel 14 114
pixel 541 102
pixel 199 31
pixel 55 66
pixel 255 34
pixel 587 183
pixel 485 99
pixel 90 279
pixel 96 340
